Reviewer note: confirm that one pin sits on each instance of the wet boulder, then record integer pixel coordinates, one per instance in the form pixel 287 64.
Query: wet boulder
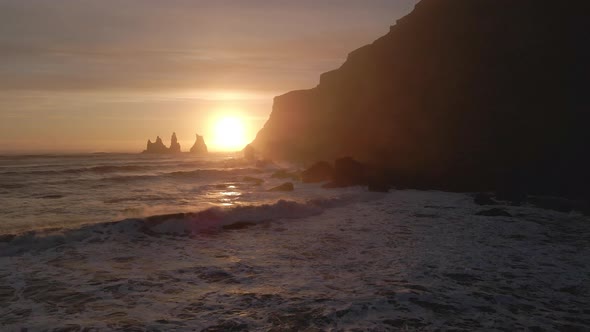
pixel 253 180
pixel 348 172
pixel 284 174
pixel 378 185
pixel 318 172
pixel 484 199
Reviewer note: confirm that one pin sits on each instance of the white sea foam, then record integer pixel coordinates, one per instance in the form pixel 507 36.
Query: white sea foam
pixel 408 260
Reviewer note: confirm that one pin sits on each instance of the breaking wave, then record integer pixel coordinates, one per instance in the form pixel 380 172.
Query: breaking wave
pixel 200 173
pixel 213 219
pixel 95 169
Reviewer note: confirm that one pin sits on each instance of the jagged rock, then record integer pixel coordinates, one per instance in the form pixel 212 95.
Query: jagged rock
pixel 157 147
pixel 455 94
pixel 287 186
pixel 174 145
pixel 318 172
pixel 378 179
pixel 348 172
pixel 495 212
pixel 199 147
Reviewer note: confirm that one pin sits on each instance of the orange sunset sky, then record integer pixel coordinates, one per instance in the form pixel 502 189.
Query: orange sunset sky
pixel 88 76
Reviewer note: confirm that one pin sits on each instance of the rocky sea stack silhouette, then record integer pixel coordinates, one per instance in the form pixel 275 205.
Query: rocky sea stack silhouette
pixel 158 146
pixel 199 146
pixel 459 95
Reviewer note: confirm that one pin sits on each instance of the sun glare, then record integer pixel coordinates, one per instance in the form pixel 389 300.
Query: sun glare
pixel 229 134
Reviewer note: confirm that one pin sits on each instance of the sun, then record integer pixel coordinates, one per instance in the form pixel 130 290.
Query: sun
pixel 229 134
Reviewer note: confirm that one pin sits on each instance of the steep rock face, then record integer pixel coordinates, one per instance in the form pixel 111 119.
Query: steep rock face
pixel 460 94
pixel 199 146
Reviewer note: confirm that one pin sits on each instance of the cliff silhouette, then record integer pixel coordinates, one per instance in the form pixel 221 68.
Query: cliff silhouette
pixel 459 95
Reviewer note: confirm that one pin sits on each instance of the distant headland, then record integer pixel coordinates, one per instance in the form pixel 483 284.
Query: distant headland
pixel 158 146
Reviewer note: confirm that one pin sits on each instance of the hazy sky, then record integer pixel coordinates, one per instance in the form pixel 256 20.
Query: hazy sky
pixel 106 75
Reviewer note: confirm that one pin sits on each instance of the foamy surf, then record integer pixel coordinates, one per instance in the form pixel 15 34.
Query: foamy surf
pixel 407 260
pixel 213 219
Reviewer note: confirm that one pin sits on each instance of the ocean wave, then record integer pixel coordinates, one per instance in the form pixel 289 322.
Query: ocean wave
pixel 199 173
pixel 178 224
pixel 103 169
pixel 113 174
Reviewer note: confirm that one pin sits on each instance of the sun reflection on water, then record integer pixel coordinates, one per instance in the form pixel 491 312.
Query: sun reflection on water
pixel 227 195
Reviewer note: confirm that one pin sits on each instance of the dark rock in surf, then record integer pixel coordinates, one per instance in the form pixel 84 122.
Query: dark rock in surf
pixel 253 180
pixel 376 185
pixel 199 147
pixel 287 186
pixel 495 212
pixel 284 174
pixel 318 172
pixel 512 196
pixel 347 172
pixel 484 199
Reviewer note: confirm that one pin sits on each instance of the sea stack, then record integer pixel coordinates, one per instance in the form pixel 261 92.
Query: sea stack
pixel 199 147
pixel 459 95
pixel 174 145
pixel 158 147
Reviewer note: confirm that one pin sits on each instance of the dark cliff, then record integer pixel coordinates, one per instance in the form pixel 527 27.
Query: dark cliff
pixel 460 94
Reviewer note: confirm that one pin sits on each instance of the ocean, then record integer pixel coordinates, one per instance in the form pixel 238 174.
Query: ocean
pixel 186 243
